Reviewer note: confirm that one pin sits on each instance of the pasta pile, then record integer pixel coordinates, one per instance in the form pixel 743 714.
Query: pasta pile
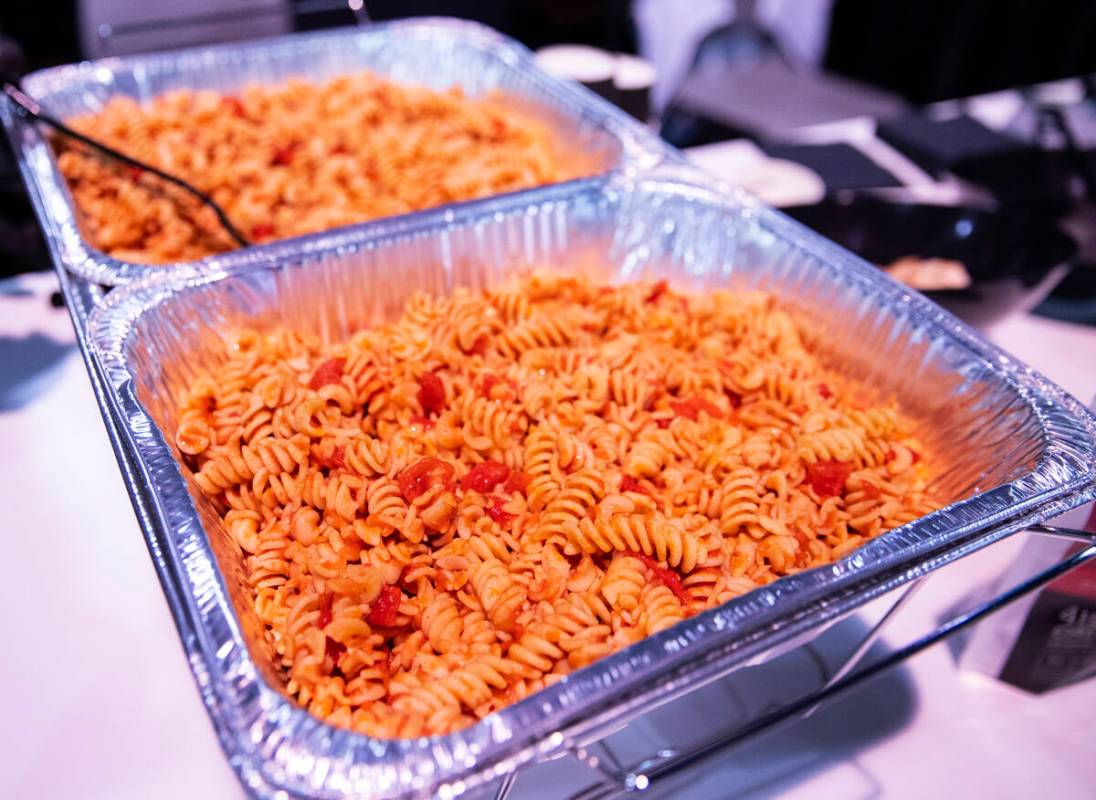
pixel 298 158
pixel 449 512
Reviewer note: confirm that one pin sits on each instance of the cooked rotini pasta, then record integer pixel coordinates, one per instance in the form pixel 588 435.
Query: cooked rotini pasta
pixel 298 158
pixel 559 471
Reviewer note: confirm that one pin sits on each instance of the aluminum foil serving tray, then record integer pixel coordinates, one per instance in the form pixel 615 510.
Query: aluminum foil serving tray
pixel 435 52
pixel 1019 449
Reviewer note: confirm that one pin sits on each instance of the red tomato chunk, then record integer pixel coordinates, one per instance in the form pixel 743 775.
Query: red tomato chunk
pixel 262 231
pixel 234 105
pixel 386 607
pixel 667 577
pixel 496 512
pixel 333 649
pixel 337 459
pixel 657 291
pixel 431 394
pixel 827 478
pixel 422 475
pixel 484 477
pixel 325 609
pixel 479 347
pixel 517 482
pixel 283 156
pixel 692 407
pixel 330 371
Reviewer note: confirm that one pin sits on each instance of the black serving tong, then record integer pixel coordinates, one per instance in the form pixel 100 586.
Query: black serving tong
pixel 27 106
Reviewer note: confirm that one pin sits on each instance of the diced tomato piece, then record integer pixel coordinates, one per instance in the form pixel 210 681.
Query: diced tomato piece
pixel 692 407
pixel 333 649
pixel 916 456
pixel 479 347
pixel 484 477
pixel 667 577
pixel 825 391
pixel 684 409
pixel 431 394
pixel 283 156
pixel 386 607
pixel 496 512
pixel 420 476
pixel 516 482
pixel 827 478
pixel 663 423
pixel 418 419
pixel 657 291
pixel 489 382
pixel 630 484
pixel 337 459
pixel 234 105
pixel 262 231
pixel 330 371
pixel 326 599
pixel 734 397
pixel 708 407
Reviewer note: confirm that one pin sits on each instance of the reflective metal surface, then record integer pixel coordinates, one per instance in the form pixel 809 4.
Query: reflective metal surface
pixel 1018 450
pixel 435 52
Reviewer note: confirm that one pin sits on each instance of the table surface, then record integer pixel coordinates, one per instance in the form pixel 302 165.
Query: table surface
pixel 100 703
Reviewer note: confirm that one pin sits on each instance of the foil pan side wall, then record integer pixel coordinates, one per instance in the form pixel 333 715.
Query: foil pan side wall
pixel 436 52
pixel 1026 447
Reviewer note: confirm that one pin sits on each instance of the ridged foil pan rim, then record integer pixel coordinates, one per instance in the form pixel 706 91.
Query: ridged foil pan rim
pixel 55 209
pixel 278 748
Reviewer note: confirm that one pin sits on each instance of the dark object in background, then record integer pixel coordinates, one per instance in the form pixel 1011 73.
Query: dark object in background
pixel 931 50
pixel 770 98
pixel 938 146
pixel 1014 257
pixel 46 34
pixel 634 79
pixel 1074 299
pixel 1017 173
pixel 1056 645
pixel 841 166
pixel 22 247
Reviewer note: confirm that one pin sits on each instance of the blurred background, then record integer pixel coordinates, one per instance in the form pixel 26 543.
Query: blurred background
pixel 949 141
